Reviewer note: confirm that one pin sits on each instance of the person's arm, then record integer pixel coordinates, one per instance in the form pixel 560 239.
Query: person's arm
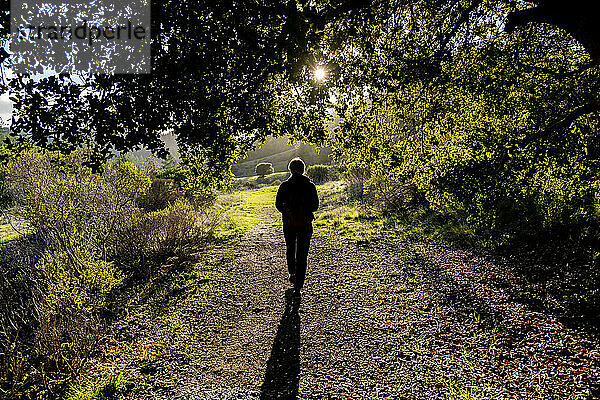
pixel 279 199
pixel 314 198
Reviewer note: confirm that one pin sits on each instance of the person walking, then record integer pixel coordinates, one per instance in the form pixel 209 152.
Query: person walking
pixel 297 199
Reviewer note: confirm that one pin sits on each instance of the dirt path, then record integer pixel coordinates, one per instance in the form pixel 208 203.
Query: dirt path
pixel 255 336
pixel 375 321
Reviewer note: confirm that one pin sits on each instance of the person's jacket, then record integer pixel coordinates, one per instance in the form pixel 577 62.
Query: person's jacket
pixel 296 200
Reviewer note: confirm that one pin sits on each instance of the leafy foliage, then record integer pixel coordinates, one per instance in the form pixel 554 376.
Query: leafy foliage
pixel 176 229
pixel 162 192
pixel 111 388
pixel 498 128
pixel 255 182
pixel 72 206
pixel 89 238
pixel 225 75
pixel 215 70
pixel 321 173
pixel 241 210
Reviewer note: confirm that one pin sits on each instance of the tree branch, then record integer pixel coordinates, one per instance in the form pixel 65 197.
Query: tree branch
pixel 564 122
pixel 560 75
pixel 464 16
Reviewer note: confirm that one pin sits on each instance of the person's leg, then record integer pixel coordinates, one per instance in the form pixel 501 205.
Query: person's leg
pixel 304 235
pixel 289 233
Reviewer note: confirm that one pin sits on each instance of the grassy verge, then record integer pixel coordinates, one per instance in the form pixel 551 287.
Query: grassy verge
pixel 352 219
pixel 10 231
pixel 241 210
pixel 362 222
pixel 253 182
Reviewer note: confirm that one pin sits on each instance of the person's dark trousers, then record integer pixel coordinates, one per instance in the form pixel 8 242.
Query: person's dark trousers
pixel 297 241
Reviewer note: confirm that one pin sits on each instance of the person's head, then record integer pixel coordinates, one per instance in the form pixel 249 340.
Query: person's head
pixel 296 166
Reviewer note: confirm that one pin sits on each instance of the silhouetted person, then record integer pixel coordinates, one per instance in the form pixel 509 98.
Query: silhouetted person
pixel 296 200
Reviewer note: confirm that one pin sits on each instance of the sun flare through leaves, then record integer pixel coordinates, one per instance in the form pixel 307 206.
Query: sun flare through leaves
pixel 320 74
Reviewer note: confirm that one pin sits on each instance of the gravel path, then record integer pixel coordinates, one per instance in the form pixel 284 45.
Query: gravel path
pixel 385 319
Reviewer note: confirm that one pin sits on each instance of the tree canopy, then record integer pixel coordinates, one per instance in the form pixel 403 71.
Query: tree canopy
pixel 500 127
pixel 225 74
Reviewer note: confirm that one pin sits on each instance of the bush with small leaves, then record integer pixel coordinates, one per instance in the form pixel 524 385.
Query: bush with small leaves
pixel 162 193
pixel 72 206
pixel 74 287
pixel 175 229
pixel 320 174
pixel 89 232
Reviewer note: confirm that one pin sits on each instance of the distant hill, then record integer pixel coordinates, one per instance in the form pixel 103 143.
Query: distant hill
pixel 276 150
pixel 279 152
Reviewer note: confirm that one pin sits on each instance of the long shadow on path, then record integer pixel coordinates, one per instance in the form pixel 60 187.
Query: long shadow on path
pixel 282 377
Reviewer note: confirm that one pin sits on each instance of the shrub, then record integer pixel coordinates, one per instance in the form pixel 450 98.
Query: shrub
pixel 322 173
pixel 51 323
pixel 19 294
pixel 72 206
pixel 334 173
pixel 103 214
pixel 263 169
pixel 177 228
pixel 162 193
pixel 90 229
pixel 356 176
pixel 77 217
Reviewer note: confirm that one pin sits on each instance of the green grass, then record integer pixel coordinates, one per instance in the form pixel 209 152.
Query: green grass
pixel 110 388
pixel 349 221
pixel 252 182
pixel 241 210
pixel 8 233
pixel 362 222
pixel 259 199
pixel 349 218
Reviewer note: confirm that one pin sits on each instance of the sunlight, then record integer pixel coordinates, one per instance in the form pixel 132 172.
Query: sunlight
pixel 320 74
